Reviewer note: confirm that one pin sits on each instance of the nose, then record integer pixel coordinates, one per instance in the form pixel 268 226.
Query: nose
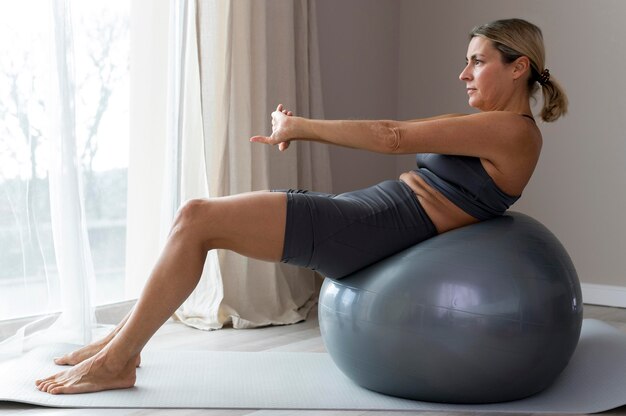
pixel 465 75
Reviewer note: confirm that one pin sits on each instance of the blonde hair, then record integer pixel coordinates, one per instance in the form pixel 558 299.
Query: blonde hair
pixel 515 38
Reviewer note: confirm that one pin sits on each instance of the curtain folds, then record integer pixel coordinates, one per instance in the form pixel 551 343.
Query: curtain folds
pixel 250 56
pixel 76 321
pixel 69 228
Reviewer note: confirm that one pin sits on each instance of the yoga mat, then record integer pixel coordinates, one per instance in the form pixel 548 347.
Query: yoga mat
pixel 594 381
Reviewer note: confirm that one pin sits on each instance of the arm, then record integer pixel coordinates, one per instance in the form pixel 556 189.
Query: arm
pixel 381 136
pixel 489 135
pixel 376 136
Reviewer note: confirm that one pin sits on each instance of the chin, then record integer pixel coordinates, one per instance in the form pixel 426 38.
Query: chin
pixel 473 105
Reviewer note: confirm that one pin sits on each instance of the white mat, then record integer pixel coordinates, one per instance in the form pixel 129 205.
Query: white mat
pixel 594 381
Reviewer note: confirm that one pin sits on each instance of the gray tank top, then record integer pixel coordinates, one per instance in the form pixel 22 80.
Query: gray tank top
pixel 464 181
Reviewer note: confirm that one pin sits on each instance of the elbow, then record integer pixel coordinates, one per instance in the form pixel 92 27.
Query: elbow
pixel 390 138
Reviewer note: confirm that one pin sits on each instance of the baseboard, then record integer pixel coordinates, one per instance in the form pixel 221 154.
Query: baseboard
pixel 604 295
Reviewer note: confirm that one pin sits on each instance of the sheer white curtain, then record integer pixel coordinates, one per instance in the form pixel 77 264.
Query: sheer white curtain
pixel 251 55
pixel 69 229
pixel 76 320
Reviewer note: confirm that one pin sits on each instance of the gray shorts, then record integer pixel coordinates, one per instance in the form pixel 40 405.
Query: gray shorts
pixel 340 234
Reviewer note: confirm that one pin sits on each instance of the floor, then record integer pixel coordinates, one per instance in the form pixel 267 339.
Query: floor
pixel 302 337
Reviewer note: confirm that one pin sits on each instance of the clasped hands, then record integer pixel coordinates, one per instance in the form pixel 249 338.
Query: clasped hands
pixel 282 129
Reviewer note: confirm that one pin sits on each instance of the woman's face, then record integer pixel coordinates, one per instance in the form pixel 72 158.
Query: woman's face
pixel 487 79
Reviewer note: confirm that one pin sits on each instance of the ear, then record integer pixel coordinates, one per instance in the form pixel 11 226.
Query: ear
pixel 520 66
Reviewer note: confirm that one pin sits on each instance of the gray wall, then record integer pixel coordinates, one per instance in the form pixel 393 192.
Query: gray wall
pixel 359 64
pixel 401 59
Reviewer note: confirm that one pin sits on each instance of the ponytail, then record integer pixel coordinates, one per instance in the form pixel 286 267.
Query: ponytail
pixel 554 101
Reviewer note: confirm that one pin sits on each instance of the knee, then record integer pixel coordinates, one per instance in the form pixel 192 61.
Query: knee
pixel 192 208
pixel 190 216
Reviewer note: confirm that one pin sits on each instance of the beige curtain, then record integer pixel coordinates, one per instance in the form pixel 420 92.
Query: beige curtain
pixel 251 55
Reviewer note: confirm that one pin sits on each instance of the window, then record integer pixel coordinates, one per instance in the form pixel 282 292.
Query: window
pixel 29 281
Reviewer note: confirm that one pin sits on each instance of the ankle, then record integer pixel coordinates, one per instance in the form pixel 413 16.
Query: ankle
pixel 114 362
pixel 119 353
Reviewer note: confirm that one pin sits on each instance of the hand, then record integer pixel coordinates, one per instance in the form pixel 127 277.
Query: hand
pixel 281 130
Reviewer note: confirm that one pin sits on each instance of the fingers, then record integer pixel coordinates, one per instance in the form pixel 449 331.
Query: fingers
pixel 260 139
pixel 282 146
pixel 281 108
pixel 277 122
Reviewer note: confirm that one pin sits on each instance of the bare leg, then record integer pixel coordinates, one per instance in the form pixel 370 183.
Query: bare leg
pixel 251 224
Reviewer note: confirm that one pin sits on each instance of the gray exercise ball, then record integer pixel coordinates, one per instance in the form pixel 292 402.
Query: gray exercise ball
pixel 487 313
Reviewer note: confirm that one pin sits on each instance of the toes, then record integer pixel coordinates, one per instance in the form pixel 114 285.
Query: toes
pixel 44 386
pixel 58 390
pixel 47 383
pixel 42 383
pixel 51 386
pixel 56 384
pixel 62 389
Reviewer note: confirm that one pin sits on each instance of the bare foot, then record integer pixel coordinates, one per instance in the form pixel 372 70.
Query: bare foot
pixel 88 351
pixel 80 355
pixel 100 372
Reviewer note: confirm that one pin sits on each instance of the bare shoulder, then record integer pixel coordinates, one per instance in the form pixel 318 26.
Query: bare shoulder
pixel 512 167
pixel 514 123
pixel 515 132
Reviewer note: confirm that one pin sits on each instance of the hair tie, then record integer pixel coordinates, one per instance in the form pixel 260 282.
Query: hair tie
pixel 544 77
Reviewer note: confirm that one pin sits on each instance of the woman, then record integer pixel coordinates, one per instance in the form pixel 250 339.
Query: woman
pixel 470 168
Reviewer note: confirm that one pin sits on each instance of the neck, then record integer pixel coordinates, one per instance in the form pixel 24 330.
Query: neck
pixel 519 103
